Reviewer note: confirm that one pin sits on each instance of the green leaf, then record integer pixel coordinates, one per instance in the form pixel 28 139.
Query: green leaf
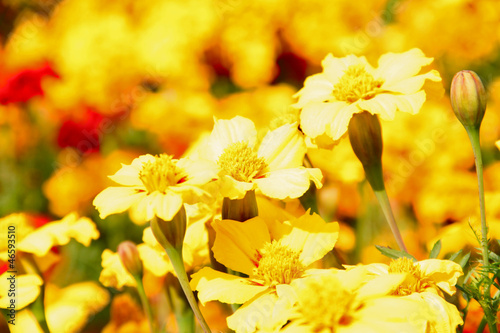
pixel 435 250
pixel 394 254
pixel 455 255
pixel 463 262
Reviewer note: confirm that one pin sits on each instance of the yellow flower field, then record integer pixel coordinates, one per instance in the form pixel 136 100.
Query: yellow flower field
pixel 249 166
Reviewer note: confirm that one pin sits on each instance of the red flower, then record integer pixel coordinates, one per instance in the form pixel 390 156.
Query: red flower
pixel 84 135
pixel 24 85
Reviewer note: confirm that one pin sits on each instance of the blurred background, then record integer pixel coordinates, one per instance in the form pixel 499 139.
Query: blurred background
pixel 86 85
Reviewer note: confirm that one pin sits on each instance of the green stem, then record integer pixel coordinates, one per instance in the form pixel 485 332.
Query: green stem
pixel 178 264
pixel 476 147
pixel 383 200
pixel 375 178
pixel 145 303
pixel 473 133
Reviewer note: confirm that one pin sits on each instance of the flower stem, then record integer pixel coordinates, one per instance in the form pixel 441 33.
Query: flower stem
pixel 240 209
pixel 178 264
pixel 476 147
pixel 473 132
pixel 145 303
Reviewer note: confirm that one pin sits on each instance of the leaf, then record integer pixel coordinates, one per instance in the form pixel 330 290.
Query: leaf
pixel 455 255
pixel 394 254
pixel 435 250
pixel 463 262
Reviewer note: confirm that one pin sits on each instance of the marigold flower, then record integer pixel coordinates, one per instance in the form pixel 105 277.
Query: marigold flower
pixel 155 186
pixel 275 167
pixel 270 253
pixel 351 85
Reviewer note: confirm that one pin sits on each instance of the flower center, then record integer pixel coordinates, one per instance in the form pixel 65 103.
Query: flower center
pixel 415 281
pixel 325 304
pixel 278 264
pixel 355 84
pixel 241 162
pixel 161 173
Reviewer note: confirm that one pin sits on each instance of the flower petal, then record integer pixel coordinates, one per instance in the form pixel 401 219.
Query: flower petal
pixel 386 105
pixel 167 205
pixel 283 148
pixel 393 67
pixel 213 285
pixel 233 189
pixel 226 132
pixel 115 200
pixel 128 175
pixel 412 84
pixel 26 291
pixel 316 118
pixel 286 183
pixel 317 88
pixel 236 243
pixel 444 272
pixel 312 237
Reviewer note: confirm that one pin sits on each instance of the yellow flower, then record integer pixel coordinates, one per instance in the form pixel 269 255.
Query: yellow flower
pixel 351 85
pixel 39 241
pixel 344 301
pixel 66 309
pixel 497 144
pixel 275 168
pixel 155 186
pixel 425 282
pixel 271 253
pixel 26 288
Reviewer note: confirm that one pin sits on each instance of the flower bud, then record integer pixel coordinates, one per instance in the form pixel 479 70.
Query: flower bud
pixel 129 257
pixel 468 98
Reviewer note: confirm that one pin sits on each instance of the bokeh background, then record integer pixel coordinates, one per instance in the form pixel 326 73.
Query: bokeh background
pixel 86 85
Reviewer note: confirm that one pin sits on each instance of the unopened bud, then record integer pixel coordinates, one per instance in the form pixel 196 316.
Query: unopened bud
pixel 468 98
pixel 365 135
pixel 129 256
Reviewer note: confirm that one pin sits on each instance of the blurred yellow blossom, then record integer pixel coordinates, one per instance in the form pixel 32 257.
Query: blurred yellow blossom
pixel 26 288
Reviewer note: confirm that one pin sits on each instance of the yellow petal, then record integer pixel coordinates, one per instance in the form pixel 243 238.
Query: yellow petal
pixel 286 183
pixel 68 309
pixel 394 67
pixel 265 313
pixel 233 189
pixel 167 205
pixel 128 175
pixel 115 200
pixel 25 321
pixel 386 105
pixel 236 243
pixel 312 237
pixel 412 84
pixel 154 261
pixel 113 272
pixel 23 289
pixel 283 148
pixel 444 272
pixel 317 88
pixel 316 118
pixel 200 171
pixel 226 132
pixel 57 233
pixel 214 285
pixel 443 317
